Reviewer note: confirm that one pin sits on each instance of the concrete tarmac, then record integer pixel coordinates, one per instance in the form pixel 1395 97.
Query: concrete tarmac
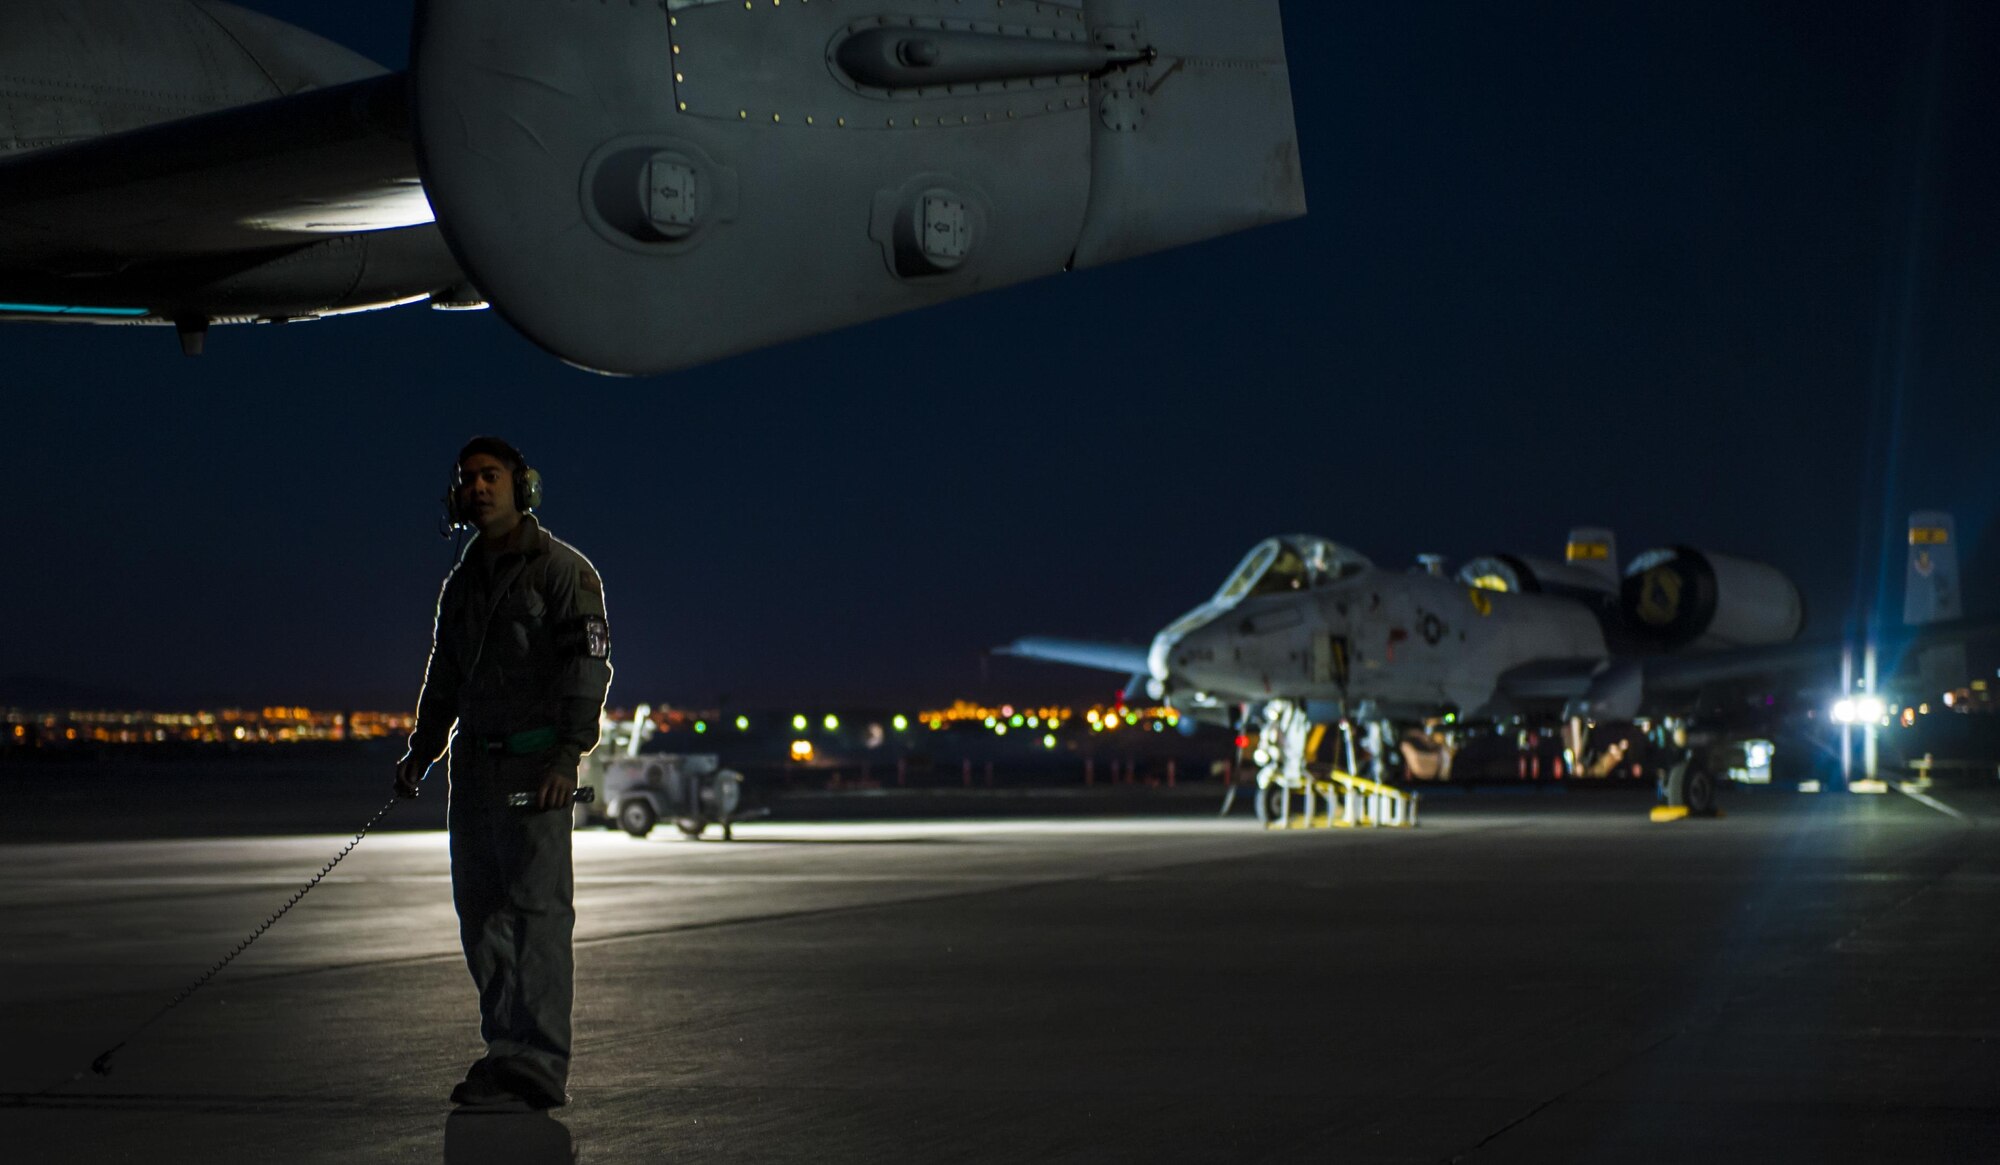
pixel 1522 979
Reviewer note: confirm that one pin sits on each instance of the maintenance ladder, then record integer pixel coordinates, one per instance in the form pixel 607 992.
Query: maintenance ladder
pixel 1351 803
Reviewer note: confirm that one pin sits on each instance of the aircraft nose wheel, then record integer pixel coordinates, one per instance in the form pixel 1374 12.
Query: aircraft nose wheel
pixel 1271 803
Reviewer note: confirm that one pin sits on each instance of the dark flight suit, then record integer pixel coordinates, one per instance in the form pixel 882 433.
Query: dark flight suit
pixel 520 661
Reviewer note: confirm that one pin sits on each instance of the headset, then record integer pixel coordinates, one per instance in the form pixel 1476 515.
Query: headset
pixel 527 479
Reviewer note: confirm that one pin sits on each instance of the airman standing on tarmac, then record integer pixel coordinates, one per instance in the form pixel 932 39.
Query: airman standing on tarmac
pixel 520 663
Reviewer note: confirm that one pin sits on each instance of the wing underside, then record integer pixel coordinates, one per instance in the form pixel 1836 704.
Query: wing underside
pixel 296 206
pixel 286 172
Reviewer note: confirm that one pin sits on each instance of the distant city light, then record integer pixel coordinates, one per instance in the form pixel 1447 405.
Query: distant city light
pixel 1049 741
pixel 798 723
pixel 832 723
pixel 802 750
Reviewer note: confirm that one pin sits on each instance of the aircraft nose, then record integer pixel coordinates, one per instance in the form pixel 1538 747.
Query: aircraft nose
pixel 1157 659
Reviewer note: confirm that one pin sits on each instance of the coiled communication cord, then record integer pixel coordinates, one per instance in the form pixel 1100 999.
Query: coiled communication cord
pixel 102 1064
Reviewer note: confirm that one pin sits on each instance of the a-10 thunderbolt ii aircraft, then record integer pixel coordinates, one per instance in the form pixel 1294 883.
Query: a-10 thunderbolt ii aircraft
pixel 639 185
pixel 1307 632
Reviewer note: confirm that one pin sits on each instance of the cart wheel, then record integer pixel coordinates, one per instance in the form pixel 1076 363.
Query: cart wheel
pixel 636 817
pixel 691 826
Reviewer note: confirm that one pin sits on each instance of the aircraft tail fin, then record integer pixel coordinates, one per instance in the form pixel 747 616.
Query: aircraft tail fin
pixel 1931 595
pixel 1594 549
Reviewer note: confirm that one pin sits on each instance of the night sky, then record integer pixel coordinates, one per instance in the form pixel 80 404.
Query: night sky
pixel 1723 273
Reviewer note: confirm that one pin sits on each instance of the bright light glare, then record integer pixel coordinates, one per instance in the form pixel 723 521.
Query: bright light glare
pixel 1859 710
pixel 802 750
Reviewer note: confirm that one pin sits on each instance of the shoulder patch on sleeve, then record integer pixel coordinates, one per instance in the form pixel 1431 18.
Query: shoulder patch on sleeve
pixel 588 580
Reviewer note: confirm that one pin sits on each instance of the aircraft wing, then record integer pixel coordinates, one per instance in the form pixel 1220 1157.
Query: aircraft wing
pixel 1124 658
pixel 1585 678
pixel 286 172
pixel 1685 673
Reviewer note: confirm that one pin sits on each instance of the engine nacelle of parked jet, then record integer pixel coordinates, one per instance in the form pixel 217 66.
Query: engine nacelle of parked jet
pixel 1680 598
pixel 1527 575
pixel 644 187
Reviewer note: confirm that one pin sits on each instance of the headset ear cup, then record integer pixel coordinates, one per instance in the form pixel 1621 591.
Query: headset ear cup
pixel 528 491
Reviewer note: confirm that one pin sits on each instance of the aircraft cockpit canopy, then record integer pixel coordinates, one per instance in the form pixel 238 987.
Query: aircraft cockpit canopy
pixel 1294 562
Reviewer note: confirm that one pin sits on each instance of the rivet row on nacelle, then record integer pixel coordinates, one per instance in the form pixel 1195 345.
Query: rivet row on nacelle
pixel 1063 38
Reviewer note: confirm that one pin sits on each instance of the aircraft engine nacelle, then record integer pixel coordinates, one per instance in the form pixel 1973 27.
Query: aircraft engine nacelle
pixel 1526 575
pixel 1680 598
pixel 644 187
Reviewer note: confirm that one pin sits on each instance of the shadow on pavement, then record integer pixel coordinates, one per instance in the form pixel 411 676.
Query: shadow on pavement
pixel 506 1138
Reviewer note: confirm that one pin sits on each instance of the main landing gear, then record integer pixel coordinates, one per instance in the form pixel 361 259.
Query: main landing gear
pixel 1284 777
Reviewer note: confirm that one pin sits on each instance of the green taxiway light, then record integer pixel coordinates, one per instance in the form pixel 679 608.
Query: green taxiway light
pixel 832 723
pixel 902 722
pixel 742 724
pixel 701 726
pixel 799 723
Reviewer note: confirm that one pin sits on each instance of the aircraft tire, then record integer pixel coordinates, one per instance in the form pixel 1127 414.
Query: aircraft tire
pixel 636 817
pixel 1698 788
pixel 1271 803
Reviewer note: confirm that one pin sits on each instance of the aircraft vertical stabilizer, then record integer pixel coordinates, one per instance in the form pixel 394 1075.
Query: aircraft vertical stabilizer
pixel 1594 550
pixel 1931 595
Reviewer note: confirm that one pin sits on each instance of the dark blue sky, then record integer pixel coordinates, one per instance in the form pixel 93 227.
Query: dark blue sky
pixel 1683 269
